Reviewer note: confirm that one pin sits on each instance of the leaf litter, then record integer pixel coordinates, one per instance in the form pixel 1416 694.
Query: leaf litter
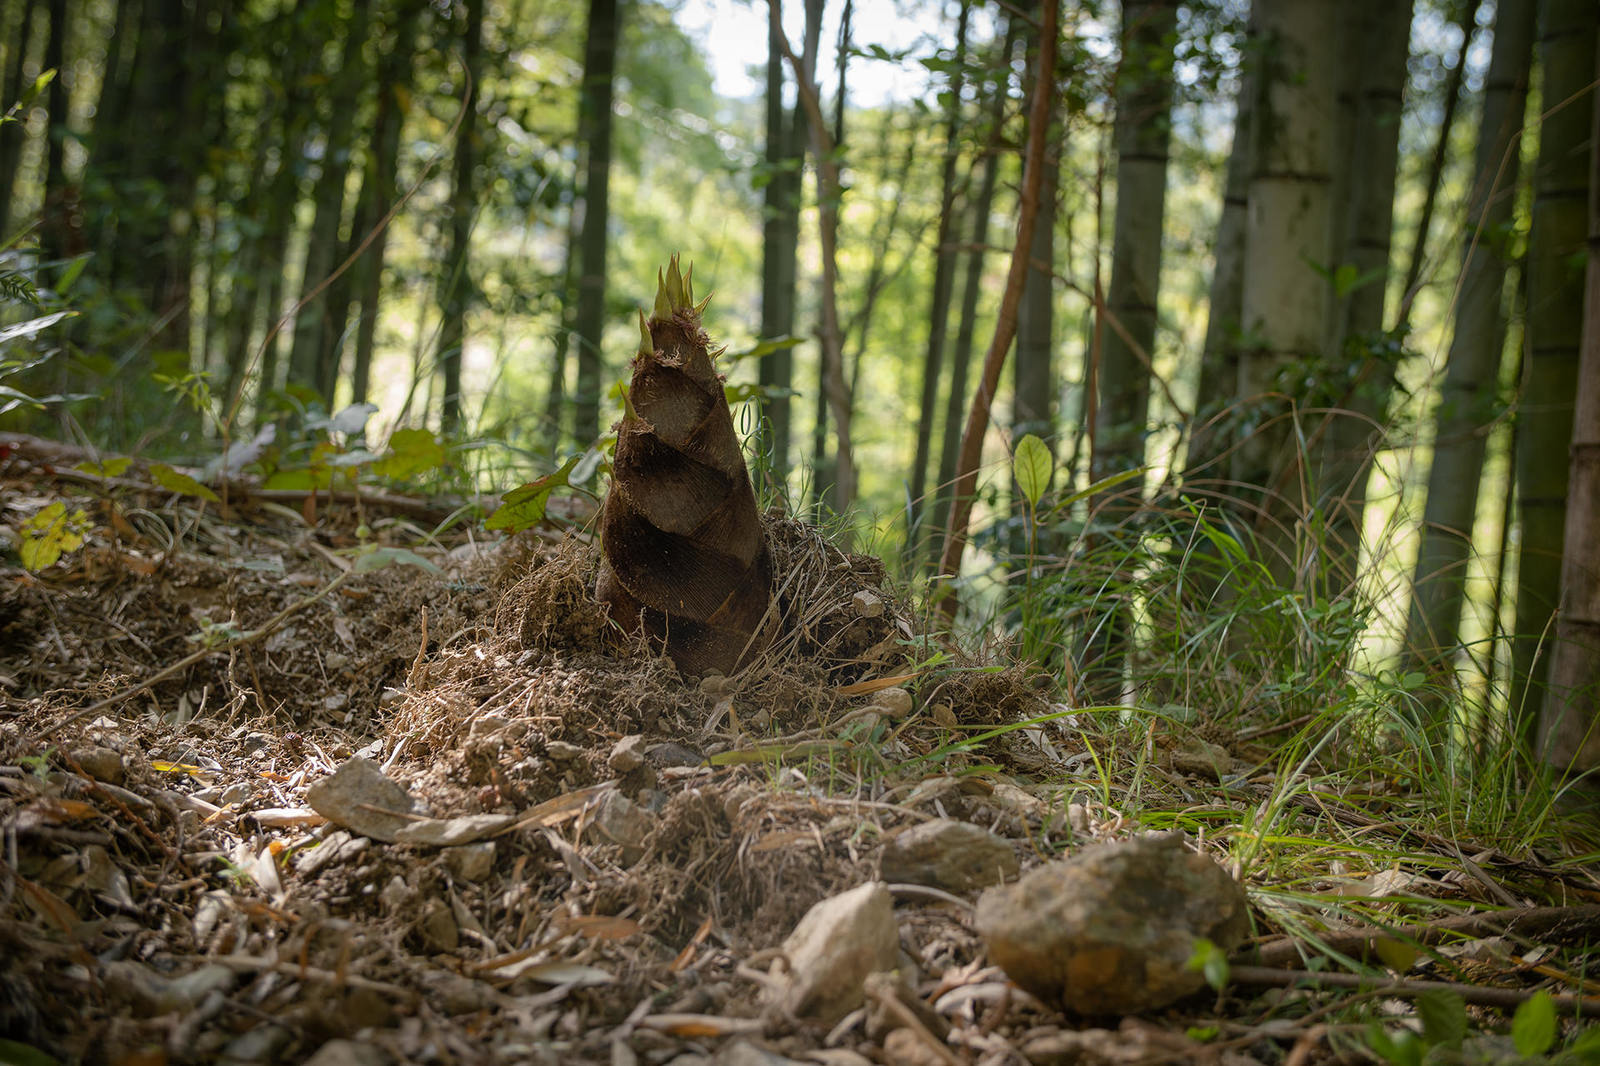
pixel 459 816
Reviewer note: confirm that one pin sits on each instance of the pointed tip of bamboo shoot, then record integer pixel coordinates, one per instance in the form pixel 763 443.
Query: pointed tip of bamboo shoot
pixel 700 308
pixel 663 308
pixel 674 290
pixel 646 343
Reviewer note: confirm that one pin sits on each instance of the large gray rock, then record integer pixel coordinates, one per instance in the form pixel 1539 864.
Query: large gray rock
pixel 1111 930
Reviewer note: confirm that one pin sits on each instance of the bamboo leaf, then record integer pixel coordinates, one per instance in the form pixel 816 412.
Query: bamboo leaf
pixel 1032 465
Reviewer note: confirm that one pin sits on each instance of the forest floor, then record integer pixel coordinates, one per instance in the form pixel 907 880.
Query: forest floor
pixel 552 847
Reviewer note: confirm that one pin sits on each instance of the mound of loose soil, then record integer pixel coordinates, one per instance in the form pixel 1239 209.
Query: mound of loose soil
pixel 174 896
pixel 261 800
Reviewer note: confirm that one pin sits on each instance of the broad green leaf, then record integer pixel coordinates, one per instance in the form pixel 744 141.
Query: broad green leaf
pixel 1533 1027
pixel 50 534
pixel 1396 954
pixel 411 452
pixel 114 467
pixel 1444 1017
pixel 300 480
pixel 524 506
pixel 379 558
pixel 1402 1048
pixel 1032 465
pixel 181 483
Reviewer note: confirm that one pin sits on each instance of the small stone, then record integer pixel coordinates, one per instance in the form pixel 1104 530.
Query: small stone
pixel 261 1044
pixel 471 862
pixel 834 947
pixel 486 726
pixel 894 702
pixel 438 926
pixel 671 753
pixel 237 794
pixel 1111 930
pixel 561 751
pixel 359 797
pixel 1201 758
pixel 902 1047
pixel 101 763
pixel 455 994
pixel 627 754
pixel 955 856
pixel 1078 817
pixel 341 1052
pixel 867 604
pixel 621 821
pixel 715 685
pixel 396 893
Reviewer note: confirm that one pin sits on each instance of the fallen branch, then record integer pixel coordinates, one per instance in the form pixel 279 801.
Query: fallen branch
pixel 1478 995
pixel 1531 922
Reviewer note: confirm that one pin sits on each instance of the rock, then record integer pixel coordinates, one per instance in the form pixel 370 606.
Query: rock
pixel 1111 930
pixel 101 763
pixel 1202 759
pixel 472 862
pixel 955 856
pixel 438 926
pixel 902 1047
pixel 337 846
pixel 893 702
pixel 455 994
pixel 627 754
pixel 261 1044
pixel 452 832
pixel 342 1052
pixel 621 821
pixel 670 753
pixel 834 947
pixel 867 604
pixel 359 797
pixel 562 751
pixel 715 685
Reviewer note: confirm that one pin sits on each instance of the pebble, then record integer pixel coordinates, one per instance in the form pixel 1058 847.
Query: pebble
pixel 627 754
pixel 101 763
pixel 955 856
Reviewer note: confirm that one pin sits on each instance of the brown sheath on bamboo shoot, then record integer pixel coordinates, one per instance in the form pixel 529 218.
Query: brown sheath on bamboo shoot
pixel 683 550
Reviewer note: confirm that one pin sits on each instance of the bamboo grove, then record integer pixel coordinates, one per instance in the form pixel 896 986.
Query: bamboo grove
pixel 1314 272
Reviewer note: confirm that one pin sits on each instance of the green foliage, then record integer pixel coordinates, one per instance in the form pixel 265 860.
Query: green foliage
pixel 1208 959
pixel 52 533
pixel 524 506
pixel 181 483
pixel 1533 1027
pixel 1031 465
